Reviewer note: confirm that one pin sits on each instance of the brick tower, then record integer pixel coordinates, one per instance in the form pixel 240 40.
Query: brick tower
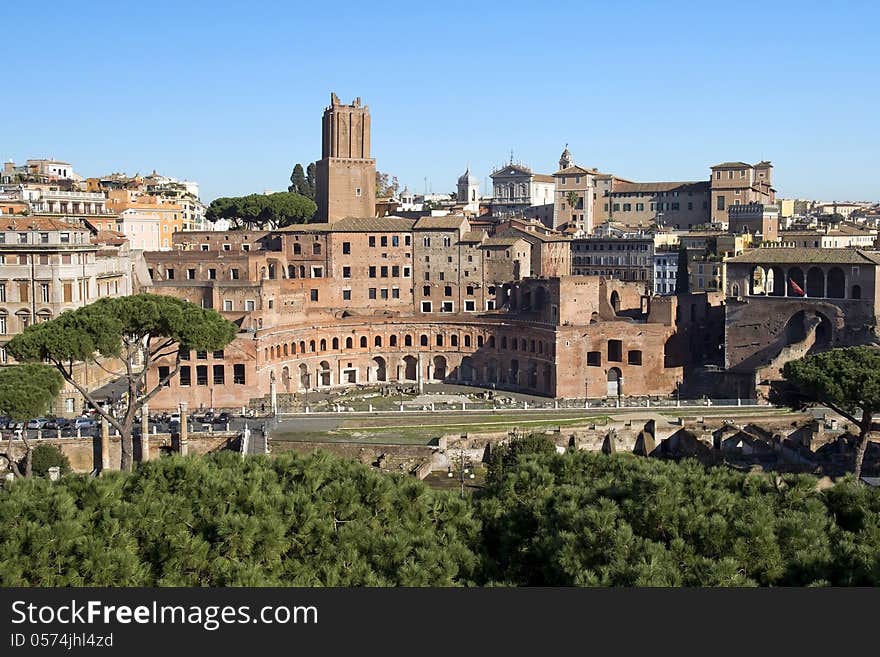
pixel 345 184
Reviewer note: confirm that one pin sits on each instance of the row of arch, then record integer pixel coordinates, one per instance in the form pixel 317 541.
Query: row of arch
pixel 530 373
pixel 793 282
pixel 466 341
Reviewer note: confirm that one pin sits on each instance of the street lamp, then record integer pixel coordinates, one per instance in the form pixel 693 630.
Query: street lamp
pixel 464 472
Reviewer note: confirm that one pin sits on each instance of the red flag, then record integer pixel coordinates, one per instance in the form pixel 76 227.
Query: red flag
pixel 797 288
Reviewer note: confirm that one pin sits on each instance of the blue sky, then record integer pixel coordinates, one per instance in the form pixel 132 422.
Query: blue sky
pixel 231 94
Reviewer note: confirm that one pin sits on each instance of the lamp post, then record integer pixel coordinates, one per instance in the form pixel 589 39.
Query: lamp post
pixel 464 472
pixel 586 393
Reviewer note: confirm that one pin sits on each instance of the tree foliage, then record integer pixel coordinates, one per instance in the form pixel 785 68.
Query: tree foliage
pixel 263 211
pixel 138 330
pixel 46 456
pixel 386 185
pixel 846 380
pixel 28 389
pixel 226 521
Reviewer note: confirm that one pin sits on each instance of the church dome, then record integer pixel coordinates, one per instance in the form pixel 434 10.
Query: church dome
pixel 467 178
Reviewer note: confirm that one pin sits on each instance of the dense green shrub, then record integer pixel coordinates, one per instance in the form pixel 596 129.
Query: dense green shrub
pixel 543 519
pixel 46 456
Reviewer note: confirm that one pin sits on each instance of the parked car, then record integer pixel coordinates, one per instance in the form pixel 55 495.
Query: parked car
pixel 37 423
pixel 223 418
pixel 14 425
pixel 174 418
pixel 84 423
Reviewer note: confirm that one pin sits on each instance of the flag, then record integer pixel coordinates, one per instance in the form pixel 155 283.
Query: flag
pixel 797 288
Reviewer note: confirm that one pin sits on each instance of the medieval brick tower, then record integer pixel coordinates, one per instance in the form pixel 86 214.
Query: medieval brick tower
pixel 345 182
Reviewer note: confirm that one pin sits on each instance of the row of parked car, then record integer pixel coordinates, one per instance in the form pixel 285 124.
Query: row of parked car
pixel 47 424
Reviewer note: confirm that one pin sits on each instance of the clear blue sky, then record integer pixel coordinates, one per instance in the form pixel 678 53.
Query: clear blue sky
pixel 231 94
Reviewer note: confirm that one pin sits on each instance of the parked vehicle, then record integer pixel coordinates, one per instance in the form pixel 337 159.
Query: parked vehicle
pixel 223 418
pixel 37 423
pixel 174 418
pixel 84 423
pixel 14 425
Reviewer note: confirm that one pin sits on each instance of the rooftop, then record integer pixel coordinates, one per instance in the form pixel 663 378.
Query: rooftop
pixel 800 255
pixel 17 223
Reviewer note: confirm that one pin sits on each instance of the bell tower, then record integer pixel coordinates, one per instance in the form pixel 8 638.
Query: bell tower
pixel 345 176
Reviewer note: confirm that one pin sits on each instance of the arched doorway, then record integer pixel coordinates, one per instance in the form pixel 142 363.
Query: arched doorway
pixel 796 282
pixel 439 368
pixel 836 283
pixel 325 378
pixel 466 369
pixel 379 368
pixel 615 301
pixel 614 382
pixel 759 281
pixel 815 283
pixel 303 376
pixel 285 378
pixel 410 368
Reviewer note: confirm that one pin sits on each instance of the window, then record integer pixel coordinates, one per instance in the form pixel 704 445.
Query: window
pixel 190 274
pixel 406 272
pixel 447 291
pixel 233 274
pixel 383 293
pixel 245 247
pixel 383 241
pixel 227 247
pixel 439 339
pixel 217 354
pixel 219 375
pixel 594 359
pixel 470 305
pixel 44 292
pixel 363 342
pixel 313 295
pixel 316 249
pixel 395 240
pixel 346 294
pixel 346 248
pixel 227 305
pixel 627 207
pixel 297 249
pixel 317 272
pixel 395 292
pixel 384 272
pixel 720 205
pixel 249 305
pixel 357 192
pixel 204 247
pixel 634 357
pixel 185 376
pixel 372 240
pixel 65 238
pixel 22 238
pixel 372 293
pixel 426 241
pixel 640 207
pixel 395 271
pixel 617 207
pixel 470 290
pixel 163 374
pixel 238 374
pixel 372 273
pixel 169 274
pixel 202 375
pixel 447 307
pixel 426 306
pixel 447 241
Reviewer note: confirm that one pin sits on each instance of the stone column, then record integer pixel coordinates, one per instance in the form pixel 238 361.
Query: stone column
pixel 145 433
pixel 273 393
pixel 419 377
pixel 184 430
pixel 105 445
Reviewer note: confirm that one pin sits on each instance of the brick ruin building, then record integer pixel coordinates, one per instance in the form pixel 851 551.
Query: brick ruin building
pixel 356 299
pixel 784 302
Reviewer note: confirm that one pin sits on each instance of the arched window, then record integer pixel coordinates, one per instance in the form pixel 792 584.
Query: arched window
pixel 392 340
pixel 424 340
pixel 479 341
pixel 316 249
pixel 297 249
pixel 312 346
pixel 293 348
pixel 407 340
pixel 335 343
pixel 453 340
pixel 291 271
pixel 439 339
pixel 349 343
pixel 302 271
pixel 285 349
pixel 377 341
pixel 467 341
pixel 323 345
pixel 363 342
pixel 302 346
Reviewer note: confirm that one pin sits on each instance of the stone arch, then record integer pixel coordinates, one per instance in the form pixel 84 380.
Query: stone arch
pixel 615 301
pixel 410 368
pixel 776 282
pixel 758 280
pixel 796 278
pixel 615 382
pixel 285 378
pixel 466 369
pixel 815 283
pixel 303 376
pixel 325 375
pixel 836 284
pixel 439 372
pixel 380 368
pixel 541 297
